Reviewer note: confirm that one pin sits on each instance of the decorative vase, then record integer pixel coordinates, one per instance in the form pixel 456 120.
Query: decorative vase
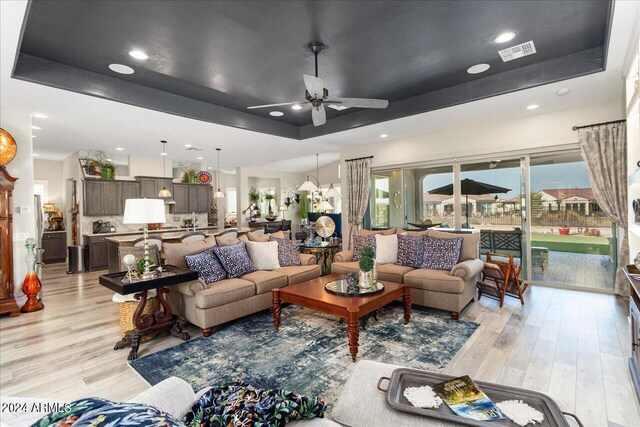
pixel 375 272
pixel 31 285
pixel 106 174
pixel 366 279
pixel 636 261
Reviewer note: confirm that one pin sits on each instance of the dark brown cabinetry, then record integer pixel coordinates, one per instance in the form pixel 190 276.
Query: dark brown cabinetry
pixel 191 198
pixel 204 198
pixel 102 198
pixel 150 187
pixel 129 190
pixel 97 254
pixel 54 245
pixel 7 300
pixel 181 197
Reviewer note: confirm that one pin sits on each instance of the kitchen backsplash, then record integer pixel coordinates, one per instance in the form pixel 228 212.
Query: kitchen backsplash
pixel 116 221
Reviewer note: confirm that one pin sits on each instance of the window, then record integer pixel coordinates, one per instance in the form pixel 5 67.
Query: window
pixel 337 201
pixel 41 188
pixel 264 205
pixel 231 201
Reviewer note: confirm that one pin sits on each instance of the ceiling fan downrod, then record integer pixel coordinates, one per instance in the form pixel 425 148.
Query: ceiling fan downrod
pixel 316 48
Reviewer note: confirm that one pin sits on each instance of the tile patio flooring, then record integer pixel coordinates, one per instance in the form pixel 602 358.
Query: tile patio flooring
pixel 583 270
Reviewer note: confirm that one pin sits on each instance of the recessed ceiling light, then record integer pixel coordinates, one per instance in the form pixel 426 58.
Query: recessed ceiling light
pixel 36 127
pixel 505 37
pixel 36 155
pixel 478 68
pixel 276 113
pixel 33 136
pixel 39 116
pixel 121 69
pixel 199 158
pixel 119 149
pixel 109 160
pixel 338 107
pixel 532 106
pixel 209 167
pixel 138 54
pixel 563 91
pixel 383 135
pixel 296 107
pixel 188 145
pixel 163 154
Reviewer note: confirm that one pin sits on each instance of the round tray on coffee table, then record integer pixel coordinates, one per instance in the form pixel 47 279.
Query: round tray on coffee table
pixel 340 287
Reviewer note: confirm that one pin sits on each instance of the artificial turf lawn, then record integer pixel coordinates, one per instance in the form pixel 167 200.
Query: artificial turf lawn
pixel 572 243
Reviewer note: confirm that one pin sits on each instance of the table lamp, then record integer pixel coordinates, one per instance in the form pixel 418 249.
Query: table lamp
pixel 283 209
pixel 144 211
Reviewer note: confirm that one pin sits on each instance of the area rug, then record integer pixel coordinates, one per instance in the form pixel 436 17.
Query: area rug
pixel 309 355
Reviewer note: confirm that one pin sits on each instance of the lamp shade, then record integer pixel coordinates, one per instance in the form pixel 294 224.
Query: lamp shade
pixel 308 186
pixel 144 211
pixel 218 194
pixel 164 193
pixel 324 206
pixel 332 192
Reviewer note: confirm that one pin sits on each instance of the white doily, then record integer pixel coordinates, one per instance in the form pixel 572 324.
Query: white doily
pixel 422 397
pixel 520 413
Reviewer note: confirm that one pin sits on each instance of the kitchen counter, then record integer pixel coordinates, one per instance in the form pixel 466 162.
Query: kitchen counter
pixel 54 231
pixel 155 232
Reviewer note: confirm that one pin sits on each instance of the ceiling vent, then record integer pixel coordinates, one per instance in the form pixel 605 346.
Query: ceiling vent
pixel 518 51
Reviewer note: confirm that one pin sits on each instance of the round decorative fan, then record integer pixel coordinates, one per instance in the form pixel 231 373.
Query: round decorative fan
pixel 325 226
pixel 8 147
pixel 204 177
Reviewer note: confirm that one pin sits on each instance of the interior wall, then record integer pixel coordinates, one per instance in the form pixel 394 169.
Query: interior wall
pixel 51 172
pixel 328 173
pixel 543 130
pixel 150 166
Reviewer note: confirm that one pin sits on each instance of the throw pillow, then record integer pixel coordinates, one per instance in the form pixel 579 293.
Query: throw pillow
pixel 386 249
pixel 288 251
pixel 235 260
pixel 441 254
pixel 207 265
pixel 386 232
pixel 410 251
pixel 360 242
pixel 264 255
pixel 256 236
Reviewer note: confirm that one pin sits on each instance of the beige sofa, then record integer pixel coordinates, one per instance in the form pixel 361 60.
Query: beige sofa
pixel 444 290
pixel 208 305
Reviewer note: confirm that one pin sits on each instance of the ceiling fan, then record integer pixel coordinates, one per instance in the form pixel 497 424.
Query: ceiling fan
pixel 317 95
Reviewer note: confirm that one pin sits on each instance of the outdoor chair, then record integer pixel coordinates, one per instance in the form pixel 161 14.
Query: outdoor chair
pixel 500 279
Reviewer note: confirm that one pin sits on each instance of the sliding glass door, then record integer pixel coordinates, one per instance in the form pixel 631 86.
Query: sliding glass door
pixel 386 201
pixel 423 207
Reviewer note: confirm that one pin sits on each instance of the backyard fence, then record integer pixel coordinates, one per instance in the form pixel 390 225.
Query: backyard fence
pixel 547 219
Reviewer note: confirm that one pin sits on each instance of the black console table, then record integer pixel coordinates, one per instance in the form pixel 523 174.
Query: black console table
pixel 162 319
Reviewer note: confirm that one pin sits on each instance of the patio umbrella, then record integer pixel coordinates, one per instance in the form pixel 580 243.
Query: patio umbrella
pixel 469 186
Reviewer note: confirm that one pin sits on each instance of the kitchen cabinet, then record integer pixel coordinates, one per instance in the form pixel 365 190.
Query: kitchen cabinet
pixel 130 190
pixel 55 247
pixel 150 187
pixel 193 199
pixel 102 198
pixel 97 254
pixel 181 197
pixel 204 198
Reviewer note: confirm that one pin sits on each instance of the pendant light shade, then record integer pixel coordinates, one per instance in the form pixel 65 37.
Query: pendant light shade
pixel 164 193
pixel 324 206
pixel 218 194
pixel 308 186
pixel 332 192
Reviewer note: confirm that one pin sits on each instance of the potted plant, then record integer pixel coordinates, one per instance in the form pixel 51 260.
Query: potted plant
pixel 190 175
pixel 303 208
pixel 107 170
pixel 254 198
pixel 97 163
pixel 268 197
pixel 367 265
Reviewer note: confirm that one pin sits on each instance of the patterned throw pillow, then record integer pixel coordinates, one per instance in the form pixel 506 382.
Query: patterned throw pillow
pixel 360 242
pixel 410 251
pixel 235 260
pixel 288 251
pixel 207 265
pixel 441 254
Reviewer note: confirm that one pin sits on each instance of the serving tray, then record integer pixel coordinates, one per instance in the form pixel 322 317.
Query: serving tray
pixel 404 377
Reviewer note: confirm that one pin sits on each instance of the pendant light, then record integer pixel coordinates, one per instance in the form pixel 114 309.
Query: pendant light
pixel 164 193
pixel 309 185
pixel 218 194
pixel 324 204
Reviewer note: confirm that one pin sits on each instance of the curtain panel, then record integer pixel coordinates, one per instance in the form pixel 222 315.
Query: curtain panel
pixel 358 177
pixel 604 151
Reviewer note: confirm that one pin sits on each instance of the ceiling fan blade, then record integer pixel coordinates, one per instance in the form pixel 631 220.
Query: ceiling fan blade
pixel 318 115
pixel 314 86
pixel 360 102
pixel 276 105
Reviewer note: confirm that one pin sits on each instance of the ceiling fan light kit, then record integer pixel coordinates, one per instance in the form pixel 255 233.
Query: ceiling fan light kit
pixel 317 95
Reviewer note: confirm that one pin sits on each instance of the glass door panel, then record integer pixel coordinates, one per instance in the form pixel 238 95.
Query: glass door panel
pixel 386 200
pixel 573 242
pixel 422 207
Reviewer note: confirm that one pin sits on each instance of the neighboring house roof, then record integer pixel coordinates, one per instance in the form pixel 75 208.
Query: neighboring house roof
pixel 442 197
pixel 564 193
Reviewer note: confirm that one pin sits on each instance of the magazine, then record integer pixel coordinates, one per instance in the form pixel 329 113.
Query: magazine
pixel 466 399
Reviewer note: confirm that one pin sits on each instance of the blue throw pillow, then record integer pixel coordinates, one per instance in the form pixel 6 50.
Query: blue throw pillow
pixel 288 251
pixel 441 254
pixel 360 242
pixel 410 251
pixel 235 260
pixel 207 265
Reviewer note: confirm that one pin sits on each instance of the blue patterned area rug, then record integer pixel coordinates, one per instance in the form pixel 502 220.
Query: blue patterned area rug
pixel 309 355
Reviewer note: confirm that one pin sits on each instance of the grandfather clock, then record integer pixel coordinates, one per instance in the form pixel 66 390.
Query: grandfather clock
pixel 7 300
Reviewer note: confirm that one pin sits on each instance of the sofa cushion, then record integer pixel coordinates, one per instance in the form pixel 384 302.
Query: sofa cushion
pixel 434 280
pixel 207 265
pixel 225 292
pixel 410 251
pixel 300 273
pixel 235 259
pixel 255 236
pixel 469 242
pixel 264 255
pixel 386 232
pixel 231 238
pixel 288 251
pixel 417 233
pixel 386 248
pixel 266 280
pixel 175 252
pixel 360 242
pixel 392 272
pixel 441 254
pixel 345 267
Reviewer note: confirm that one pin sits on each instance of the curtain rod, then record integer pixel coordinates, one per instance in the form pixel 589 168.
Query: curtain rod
pixel 359 158
pixel 598 124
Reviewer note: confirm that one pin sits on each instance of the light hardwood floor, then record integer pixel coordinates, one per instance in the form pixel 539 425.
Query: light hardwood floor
pixel 572 345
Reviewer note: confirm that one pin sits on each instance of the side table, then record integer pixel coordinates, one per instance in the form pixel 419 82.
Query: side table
pixel 163 318
pixel 324 253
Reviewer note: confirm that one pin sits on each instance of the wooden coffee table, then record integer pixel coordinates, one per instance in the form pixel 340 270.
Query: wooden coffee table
pixel 312 294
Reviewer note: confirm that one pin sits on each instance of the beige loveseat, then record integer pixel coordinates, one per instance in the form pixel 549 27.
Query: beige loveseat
pixel 208 305
pixel 444 290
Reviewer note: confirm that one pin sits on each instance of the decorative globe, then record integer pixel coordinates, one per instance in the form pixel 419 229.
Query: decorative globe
pixel 129 260
pixel 352 279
